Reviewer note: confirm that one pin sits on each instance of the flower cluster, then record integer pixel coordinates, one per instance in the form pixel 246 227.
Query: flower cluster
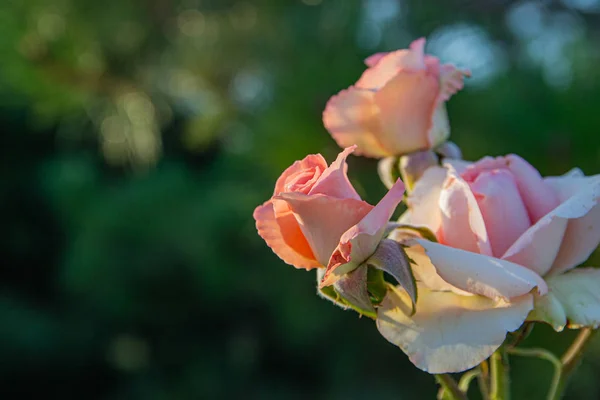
pixel 482 248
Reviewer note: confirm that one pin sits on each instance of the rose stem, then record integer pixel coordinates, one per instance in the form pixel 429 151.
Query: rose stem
pixel 500 381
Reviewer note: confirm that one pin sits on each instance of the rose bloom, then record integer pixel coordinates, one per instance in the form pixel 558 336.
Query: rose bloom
pixel 397 106
pixel 315 218
pixel 500 227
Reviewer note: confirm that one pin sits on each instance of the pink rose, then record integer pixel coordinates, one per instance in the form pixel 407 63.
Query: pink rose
pixel 316 219
pixel 500 226
pixel 397 106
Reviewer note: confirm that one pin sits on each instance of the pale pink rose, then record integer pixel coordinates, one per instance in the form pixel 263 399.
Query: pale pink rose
pixel 500 227
pixel 397 106
pixel 316 219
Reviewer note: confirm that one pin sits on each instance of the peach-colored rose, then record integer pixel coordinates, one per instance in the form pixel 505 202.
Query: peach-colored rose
pixel 500 226
pixel 316 219
pixel 397 106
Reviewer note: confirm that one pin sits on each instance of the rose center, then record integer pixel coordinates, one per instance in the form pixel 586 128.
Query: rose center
pixel 303 181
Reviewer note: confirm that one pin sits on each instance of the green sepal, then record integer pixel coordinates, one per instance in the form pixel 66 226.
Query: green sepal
pixel 399 230
pixel 389 171
pixel 350 292
pixel 390 257
pixel 376 285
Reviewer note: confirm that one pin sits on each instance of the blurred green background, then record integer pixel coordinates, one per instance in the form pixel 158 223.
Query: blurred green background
pixel 139 135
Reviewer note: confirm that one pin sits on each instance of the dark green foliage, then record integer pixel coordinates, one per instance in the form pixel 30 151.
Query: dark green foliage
pixel 137 138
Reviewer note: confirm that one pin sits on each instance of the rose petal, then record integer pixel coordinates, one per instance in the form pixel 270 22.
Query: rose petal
pixel 562 237
pixel 422 202
pixel 459 166
pixel 302 181
pixel 417 47
pixel 323 219
pixel 452 80
pixel 439 130
pixel 334 180
pixel 314 162
pixel 573 173
pixel 576 294
pixel 583 234
pixel 503 210
pixel 372 60
pixel 538 197
pixel 426 273
pixel 480 274
pixel 449 333
pixel 360 241
pixel 389 64
pixel 538 246
pixel 288 243
pixel 462 226
pixel 352 118
pixel 407 104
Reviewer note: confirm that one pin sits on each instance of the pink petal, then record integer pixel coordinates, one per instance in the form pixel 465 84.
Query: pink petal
pixel 352 118
pixel 407 104
pixel 426 273
pixel 287 240
pixel 480 274
pixel 432 65
pixel 451 79
pixel 582 236
pixel 463 225
pixel 323 219
pixel 460 166
pixel 539 198
pixel 313 162
pixel 486 163
pixel 389 64
pixel 372 60
pixel 537 247
pixel 448 333
pixel 567 235
pixel 334 180
pixel 360 241
pixel 418 49
pixel 503 211
pixel 422 202
pixel 439 130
